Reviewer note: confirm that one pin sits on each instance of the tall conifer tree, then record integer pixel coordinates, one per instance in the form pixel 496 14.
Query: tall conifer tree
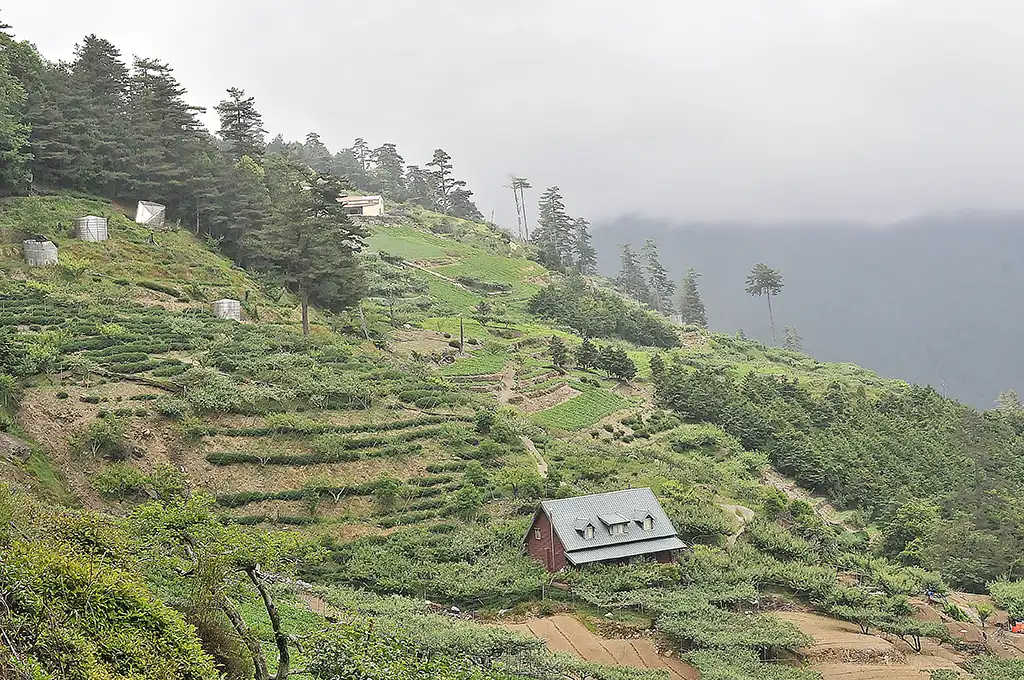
pixel 241 125
pixel 691 307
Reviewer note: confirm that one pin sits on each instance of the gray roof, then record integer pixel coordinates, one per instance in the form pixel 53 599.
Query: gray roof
pixel 569 515
pixel 611 552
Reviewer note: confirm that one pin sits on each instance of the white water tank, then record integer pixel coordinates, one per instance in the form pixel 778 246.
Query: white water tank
pixel 228 309
pixel 150 214
pixel 91 228
pixel 40 252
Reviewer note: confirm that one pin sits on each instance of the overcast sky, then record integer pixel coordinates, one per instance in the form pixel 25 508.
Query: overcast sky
pixel 687 109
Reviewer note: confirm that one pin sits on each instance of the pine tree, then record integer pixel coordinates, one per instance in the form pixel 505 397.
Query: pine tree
pixel 310 244
pixel 95 114
pixel 631 278
pixel 388 171
pixel 14 133
pixel 417 186
pixel 657 369
pixel 763 280
pixel 440 173
pixel 791 340
pixel 361 153
pixel 166 139
pixel 587 355
pixel 586 256
pixel 554 235
pixel 241 125
pixel 615 362
pixel 559 354
pixel 315 153
pixel 450 196
pixel 691 307
pixel 658 282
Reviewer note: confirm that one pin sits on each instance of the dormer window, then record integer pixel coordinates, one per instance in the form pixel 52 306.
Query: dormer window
pixel 617 529
pixel 648 523
pixel 588 531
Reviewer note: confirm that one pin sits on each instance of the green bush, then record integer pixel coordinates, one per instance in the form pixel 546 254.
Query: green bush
pixel 161 288
pixel 119 481
pixel 106 437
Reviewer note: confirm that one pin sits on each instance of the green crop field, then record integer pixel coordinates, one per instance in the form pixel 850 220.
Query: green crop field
pixel 477 365
pixel 582 411
pixel 412 244
pixel 497 269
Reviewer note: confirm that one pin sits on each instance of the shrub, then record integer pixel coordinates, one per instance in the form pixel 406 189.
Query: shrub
pixel 119 481
pixel 170 407
pixel 104 436
pixel 160 288
pixel 62 395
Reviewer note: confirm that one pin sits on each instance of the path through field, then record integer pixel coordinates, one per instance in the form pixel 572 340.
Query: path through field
pixel 542 465
pixel 564 633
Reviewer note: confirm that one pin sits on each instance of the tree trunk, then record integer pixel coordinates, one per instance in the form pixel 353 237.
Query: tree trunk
pixel 284 658
pixel 304 296
pixel 771 319
pixel 526 223
pixel 259 661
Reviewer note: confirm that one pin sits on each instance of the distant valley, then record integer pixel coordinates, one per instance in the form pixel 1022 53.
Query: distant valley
pixel 931 301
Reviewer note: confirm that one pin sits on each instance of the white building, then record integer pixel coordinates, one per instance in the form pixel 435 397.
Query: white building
pixel 367 206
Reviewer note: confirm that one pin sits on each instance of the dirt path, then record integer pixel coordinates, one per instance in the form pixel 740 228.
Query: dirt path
pixel 507 384
pixel 542 465
pixel 823 508
pixel 450 280
pixel 743 515
pixel 564 633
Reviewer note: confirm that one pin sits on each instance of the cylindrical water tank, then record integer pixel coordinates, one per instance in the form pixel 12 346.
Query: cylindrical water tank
pixel 40 252
pixel 91 228
pixel 228 309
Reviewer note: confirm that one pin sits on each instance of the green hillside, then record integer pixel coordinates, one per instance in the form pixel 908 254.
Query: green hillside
pixel 393 461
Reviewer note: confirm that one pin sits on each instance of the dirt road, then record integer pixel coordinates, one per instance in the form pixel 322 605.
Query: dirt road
pixel 564 633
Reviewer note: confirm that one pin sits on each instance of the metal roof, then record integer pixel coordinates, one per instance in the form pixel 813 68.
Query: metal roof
pixel 566 515
pixel 613 552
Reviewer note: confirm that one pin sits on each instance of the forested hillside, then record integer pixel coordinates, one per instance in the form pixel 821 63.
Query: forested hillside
pixel 930 301
pixel 339 484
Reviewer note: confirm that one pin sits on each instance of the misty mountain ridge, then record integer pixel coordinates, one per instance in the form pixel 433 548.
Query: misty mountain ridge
pixel 931 300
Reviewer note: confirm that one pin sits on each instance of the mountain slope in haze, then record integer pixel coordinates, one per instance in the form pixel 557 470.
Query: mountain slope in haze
pixel 931 301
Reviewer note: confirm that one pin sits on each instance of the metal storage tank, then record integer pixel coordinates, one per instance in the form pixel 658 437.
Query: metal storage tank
pixel 150 214
pixel 40 252
pixel 91 228
pixel 228 309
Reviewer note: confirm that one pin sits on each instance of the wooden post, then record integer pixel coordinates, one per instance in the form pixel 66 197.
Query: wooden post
pixel 462 336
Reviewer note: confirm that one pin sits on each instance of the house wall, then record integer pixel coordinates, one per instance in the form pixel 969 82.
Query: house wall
pixel 374 209
pixel 547 549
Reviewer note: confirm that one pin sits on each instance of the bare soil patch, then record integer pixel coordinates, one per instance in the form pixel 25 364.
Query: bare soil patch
pixel 840 641
pixel 562 394
pixel 408 340
pixel 51 422
pixel 842 652
pixel 563 633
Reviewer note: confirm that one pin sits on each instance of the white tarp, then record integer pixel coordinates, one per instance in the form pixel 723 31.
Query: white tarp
pixel 151 214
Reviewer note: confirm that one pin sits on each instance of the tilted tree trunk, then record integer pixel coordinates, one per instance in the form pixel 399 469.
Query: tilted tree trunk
pixel 771 319
pixel 304 296
pixel 259 660
pixel 284 658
